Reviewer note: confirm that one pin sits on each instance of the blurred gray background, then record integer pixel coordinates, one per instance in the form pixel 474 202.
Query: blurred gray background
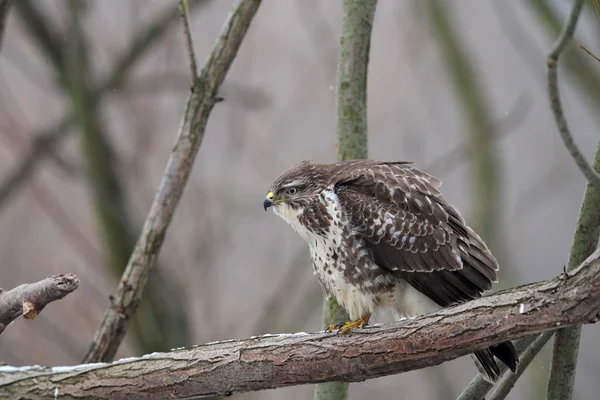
pixel 228 269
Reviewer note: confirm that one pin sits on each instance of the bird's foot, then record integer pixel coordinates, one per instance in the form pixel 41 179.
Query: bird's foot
pixel 343 328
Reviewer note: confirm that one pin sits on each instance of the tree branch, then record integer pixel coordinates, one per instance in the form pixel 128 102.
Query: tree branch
pixel 559 45
pixel 189 42
pixel 351 127
pixel 30 299
pixel 198 108
pixel 142 42
pixel 273 361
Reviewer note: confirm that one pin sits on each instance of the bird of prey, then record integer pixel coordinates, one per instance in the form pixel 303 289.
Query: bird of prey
pixel 381 236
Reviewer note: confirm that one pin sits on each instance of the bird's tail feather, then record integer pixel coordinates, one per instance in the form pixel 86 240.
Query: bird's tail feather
pixel 484 360
pixel 506 353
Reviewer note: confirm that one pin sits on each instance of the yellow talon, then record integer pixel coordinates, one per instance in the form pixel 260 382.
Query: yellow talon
pixel 343 328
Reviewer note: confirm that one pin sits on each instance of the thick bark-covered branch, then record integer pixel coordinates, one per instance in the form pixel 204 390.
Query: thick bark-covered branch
pixel 197 110
pixel 273 361
pixel 30 299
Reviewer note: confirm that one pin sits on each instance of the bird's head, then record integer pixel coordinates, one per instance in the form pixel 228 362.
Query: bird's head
pixel 295 189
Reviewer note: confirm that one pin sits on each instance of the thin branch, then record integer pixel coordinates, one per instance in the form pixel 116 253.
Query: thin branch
pixel 198 108
pixel 559 45
pixel 185 16
pixel 586 50
pixel 508 382
pixel 141 43
pixel 30 299
pixel 574 63
pixel 273 361
pixel 4 8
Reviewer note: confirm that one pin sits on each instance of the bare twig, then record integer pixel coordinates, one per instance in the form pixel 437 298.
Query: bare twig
pixel 508 382
pixel 4 8
pixel 561 42
pixel 586 50
pixel 272 361
pixel 30 299
pixel 185 16
pixel 575 64
pixel 198 108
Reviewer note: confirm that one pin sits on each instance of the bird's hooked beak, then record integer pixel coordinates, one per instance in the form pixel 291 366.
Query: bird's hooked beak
pixel 268 200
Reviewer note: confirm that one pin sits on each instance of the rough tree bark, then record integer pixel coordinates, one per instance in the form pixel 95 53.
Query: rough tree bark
pixel 273 361
pixel 351 127
pixel 30 299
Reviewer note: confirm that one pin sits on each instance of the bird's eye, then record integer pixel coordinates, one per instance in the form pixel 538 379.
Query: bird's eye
pixel 292 190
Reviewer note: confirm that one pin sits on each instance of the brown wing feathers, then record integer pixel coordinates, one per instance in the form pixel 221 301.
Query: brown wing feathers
pixel 410 228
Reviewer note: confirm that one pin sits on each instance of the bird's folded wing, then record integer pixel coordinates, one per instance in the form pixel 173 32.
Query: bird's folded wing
pixel 398 214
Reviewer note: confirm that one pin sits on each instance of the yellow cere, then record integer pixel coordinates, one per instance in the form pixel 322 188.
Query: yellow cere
pixel 271 196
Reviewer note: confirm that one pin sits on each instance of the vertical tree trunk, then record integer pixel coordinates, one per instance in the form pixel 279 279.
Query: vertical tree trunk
pixel 351 122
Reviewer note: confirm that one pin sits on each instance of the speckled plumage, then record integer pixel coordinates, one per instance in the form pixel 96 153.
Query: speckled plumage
pixel 381 236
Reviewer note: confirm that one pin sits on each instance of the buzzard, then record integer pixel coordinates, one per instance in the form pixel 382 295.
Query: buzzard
pixel 381 236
